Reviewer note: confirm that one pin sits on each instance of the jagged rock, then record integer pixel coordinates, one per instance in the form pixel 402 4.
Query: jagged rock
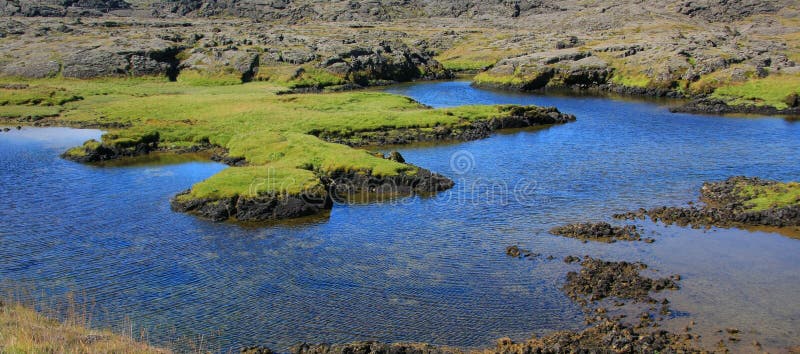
pixel 601 231
pixel 58 8
pixel 36 68
pixel 728 10
pixel 598 280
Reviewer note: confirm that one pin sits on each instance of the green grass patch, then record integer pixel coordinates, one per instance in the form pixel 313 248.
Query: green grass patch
pixel 37 96
pixel 630 79
pixel 771 196
pixel 772 91
pixel 196 78
pixel 272 132
pixel 460 64
pixel 15 111
pixel 492 79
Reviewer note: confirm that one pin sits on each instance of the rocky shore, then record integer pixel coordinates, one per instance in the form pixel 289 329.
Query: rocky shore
pixel 717 106
pixel 598 280
pixel 737 201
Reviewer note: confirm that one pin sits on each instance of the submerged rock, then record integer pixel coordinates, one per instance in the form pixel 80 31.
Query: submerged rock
pixel 598 280
pixel 601 231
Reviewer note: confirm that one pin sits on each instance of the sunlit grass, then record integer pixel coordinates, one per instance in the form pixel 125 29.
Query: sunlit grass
pixel 771 196
pixel 272 132
pixel 23 330
pixel 772 90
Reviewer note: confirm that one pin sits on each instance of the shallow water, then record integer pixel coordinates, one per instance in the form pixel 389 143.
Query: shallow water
pixel 415 269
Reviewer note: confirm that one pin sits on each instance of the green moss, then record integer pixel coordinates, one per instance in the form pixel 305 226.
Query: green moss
pixel 272 132
pixel 37 96
pixel 315 78
pixel 196 78
pixel 81 151
pixel 630 80
pixel 769 91
pixel 255 180
pixel 490 79
pixel 770 196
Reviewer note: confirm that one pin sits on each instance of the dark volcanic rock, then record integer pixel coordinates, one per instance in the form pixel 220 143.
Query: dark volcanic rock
pixel 345 186
pixel 257 208
pixel 606 336
pixel 58 8
pixel 110 149
pixel 728 10
pixel 36 69
pixel 104 62
pixel 601 231
pixel 370 348
pixel 598 280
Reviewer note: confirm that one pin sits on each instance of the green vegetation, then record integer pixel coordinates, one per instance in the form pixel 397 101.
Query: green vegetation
pixel 770 196
pixel 272 132
pixel 725 77
pixel 772 90
pixel 23 330
pixel 491 79
pixel 19 111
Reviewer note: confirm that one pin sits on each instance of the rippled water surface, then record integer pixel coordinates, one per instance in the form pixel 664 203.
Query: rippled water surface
pixel 418 269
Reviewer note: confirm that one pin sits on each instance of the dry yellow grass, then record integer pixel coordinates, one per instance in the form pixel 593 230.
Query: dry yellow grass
pixel 23 330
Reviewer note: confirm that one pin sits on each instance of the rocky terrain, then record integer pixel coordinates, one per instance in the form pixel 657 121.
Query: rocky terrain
pixel 737 201
pixel 598 280
pixel 696 49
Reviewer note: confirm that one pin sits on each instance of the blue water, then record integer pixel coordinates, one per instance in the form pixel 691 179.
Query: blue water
pixel 416 269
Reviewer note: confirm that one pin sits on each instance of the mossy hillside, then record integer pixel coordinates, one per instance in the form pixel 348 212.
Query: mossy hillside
pixel 777 195
pixel 251 121
pixel 476 52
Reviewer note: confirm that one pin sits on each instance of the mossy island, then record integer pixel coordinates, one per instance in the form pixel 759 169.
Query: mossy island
pixel 290 154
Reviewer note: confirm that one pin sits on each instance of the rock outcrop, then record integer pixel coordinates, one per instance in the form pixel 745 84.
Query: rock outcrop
pixel 728 10
pixel 601 231
pixel 727 204
pixel 59 8
pixel 717 106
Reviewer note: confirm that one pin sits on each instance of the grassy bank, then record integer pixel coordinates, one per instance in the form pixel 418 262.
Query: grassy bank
pixel 23 330
pixel 275 134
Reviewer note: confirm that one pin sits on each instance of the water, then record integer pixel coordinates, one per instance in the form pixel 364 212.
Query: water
pixel 416 269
